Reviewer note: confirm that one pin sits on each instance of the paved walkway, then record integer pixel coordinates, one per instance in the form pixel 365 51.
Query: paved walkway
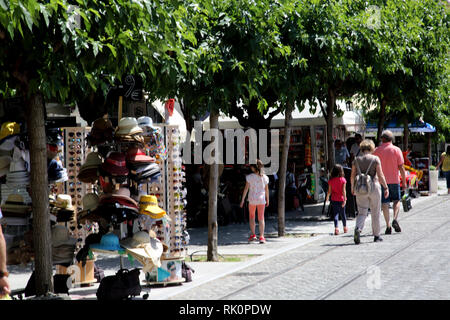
pixel 301 229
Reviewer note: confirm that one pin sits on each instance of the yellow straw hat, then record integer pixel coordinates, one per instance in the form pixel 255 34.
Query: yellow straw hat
pixel 148 204
pixel 9 128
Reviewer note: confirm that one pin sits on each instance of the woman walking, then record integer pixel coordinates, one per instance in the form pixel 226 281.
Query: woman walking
pixel 258 197
pixel 371 164
pixel 445 162
pixel 336 188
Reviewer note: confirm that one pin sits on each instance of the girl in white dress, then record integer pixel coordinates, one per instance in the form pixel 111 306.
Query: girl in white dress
pixel 258 198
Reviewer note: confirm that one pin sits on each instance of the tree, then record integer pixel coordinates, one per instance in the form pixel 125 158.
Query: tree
pixel 55 51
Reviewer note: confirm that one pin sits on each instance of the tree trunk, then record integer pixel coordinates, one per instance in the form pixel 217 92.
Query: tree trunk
pixel 405 134
pixel 39 195
pixel 212 202
pixel 331 101
pixel 383 103
pixel 282 171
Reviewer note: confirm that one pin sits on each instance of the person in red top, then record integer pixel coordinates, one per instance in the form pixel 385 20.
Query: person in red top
pixel 391 158
pixel 336 188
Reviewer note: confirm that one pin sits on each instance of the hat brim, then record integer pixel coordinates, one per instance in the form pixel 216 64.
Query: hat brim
pixel 111 198
pixel 154 212
pixel 141 159
pixel 128 131
pixel 114 170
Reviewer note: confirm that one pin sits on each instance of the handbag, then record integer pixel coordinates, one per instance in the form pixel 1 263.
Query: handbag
pixel 186 271
pixel 406 202
pixel 121 286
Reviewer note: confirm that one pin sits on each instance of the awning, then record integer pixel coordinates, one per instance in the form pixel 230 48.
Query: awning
pixel 392 125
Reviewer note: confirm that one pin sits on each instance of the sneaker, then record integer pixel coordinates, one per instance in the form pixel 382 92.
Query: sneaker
pixel 356 236
pixel 396 226
pixel 262 240
pixel 252 238
pixel 377 239
pixel 388 230
pixel 345 229
pixel 336 231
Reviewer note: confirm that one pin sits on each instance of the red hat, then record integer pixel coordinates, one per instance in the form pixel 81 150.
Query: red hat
pixel 115 164
pixel 138 155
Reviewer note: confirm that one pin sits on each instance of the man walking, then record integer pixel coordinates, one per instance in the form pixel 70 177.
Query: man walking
pixel 391 158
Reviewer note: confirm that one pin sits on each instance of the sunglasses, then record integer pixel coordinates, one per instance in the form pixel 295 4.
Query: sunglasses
pixel 75 159
pixel 75 146
pixel 74 152
pixel 71 134
pixel 78 164
pixel 75 140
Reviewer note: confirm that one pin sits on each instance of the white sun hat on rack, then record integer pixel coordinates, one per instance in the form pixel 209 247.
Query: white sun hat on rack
pixel 128 126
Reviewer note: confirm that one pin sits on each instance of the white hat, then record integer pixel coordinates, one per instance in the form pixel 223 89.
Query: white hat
pixel 128 126
pixel 145 121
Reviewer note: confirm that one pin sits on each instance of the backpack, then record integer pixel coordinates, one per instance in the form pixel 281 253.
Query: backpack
pixel 363 181
pixel 186 271
pixel 121 286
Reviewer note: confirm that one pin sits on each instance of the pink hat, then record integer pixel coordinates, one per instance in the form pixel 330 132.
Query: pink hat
pixel 115 164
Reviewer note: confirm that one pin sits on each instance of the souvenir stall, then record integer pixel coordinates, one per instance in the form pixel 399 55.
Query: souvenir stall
pixel 116 191
pixel 138 196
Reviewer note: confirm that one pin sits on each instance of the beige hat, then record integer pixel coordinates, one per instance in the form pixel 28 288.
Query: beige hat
pixel 15 203
pixel 145 249
pixel 90 203
pixel 93 160
pixel 128 126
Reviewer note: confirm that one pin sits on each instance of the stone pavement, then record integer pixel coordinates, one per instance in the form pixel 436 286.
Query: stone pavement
pixel 301 229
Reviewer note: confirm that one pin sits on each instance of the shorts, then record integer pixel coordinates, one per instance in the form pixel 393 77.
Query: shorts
pixel 394 193
pixel 447 176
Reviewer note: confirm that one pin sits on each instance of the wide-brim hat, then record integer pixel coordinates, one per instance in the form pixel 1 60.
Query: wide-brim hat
pixel 93 160
pixel 61 236
pixel 122 196
pixel 109 242
pixel 127 126
pixel 138 238
pixel 88 175
pixel 148 204
pixel 138 155
pixel 151 250
pixel 115 164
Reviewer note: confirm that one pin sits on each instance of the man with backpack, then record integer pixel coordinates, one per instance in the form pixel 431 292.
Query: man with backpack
pixel 366 178
pixel 392 161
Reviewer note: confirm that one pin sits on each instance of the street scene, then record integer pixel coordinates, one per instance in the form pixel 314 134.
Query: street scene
pixel 189 151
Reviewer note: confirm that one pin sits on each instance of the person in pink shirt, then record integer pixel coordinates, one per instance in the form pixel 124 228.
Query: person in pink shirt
pixel 336 188
pixel 392 161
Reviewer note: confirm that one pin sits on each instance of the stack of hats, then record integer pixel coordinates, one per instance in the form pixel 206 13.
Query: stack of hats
pixel 56 172
pixel 15 206
pixel 89 170
pixel 90 211
pixel 148 205
pixel 19 168
pixel 118 206
pixel 54 141
pixel 63 245
pixel 115 165
pixel 62 207
pixel 102 131
pixel 142 167
pixel 128 130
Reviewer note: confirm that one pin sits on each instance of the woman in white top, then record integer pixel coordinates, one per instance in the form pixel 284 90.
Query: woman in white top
pixel 258 198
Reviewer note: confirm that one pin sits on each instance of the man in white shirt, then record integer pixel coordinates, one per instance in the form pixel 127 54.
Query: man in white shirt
pixel 354 150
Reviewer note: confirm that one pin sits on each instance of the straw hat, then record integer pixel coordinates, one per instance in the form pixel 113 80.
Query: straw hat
pixel 144 248
pixel 15 203
pixel 64 201
pixel 128 126
pixel 61 236
pixel 148 204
